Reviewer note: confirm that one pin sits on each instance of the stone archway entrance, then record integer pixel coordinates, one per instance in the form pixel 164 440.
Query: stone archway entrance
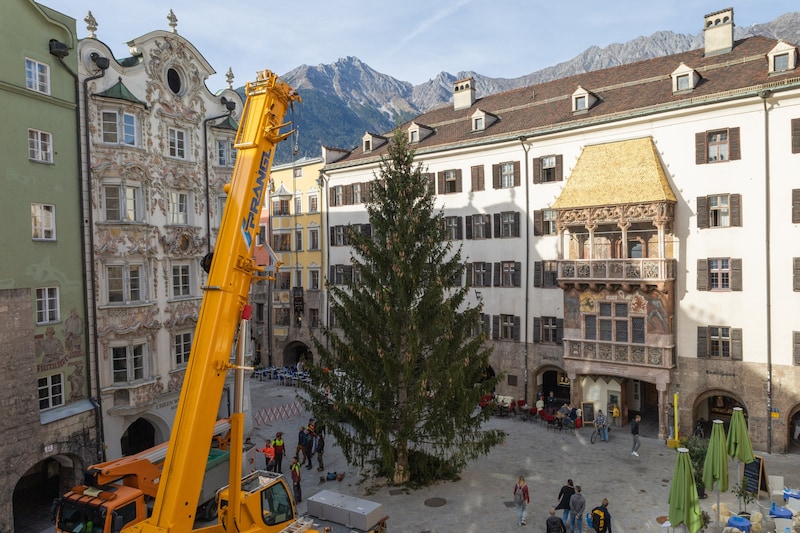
pixel 39 486
pixel 139 436
pixel 712 405
pixel 296 351
pixel 793 431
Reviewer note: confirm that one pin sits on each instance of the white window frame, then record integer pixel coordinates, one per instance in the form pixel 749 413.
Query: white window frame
pixel 719 211
pixel 130 282
pixel 548 169
pixel 507 221
pixel 220 210
pixel 48 305
pixel 182 347
pixel 480 228
pixel 357 193
pixel 477 123
pixel 298 239
pixel 298 205
pixel 718 146
pixel 719 342
pixel 178 208
pixel 313 239
pixel 134 358
pixel 181 280
pixel 119 127
pixel 40 146
pixel 783 59
pixel 549 217
pixel 719 274
pixel 129 202
pixel 482 272
pixel 314 278
pixel 549 330
pixel 43 222
pixel 37 76
pixel 226 153
pixel 507 327
pixel 507 175
pixel 51 391
pixel 313 203
pixel 452 224
pixel 178 143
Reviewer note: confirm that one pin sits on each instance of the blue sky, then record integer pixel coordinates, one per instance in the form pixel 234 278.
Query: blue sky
pixel 411 40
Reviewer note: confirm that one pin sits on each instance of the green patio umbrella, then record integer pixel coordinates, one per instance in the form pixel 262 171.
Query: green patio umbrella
pixel 739 445
pixel 684 505
pixel 715 465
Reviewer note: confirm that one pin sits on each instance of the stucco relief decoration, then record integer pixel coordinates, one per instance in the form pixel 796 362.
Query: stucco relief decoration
pixel 127 321
pixel 182 242
pixel 172 52
pixel 181 314
pixel 176 380
pixel 148 393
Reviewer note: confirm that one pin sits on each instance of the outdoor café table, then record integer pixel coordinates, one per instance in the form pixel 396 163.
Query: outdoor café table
pixel 740 522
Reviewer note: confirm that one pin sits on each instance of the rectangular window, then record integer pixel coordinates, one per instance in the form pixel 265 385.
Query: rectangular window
pixel 280 208
pixel 717 144
pixel 337 198
pixel 122 203
pixel 507 327
pixel 719 274
pixel 118 128
pixel 282 316
pixel 125 284
pixel 177 143
pixel 283 280
pixel 548 169
pixel 313 239
pixel 298 205
pixel 780 62
pixel 313 280
pixel 51 391
pixel 127 363
pixel 183 347
pixel 637 330
pixel 450 182
pixel 339 235
pixel 682 82
pixel 40 146
pixel 548 222
pixel 477 124
pixel 313 317
pixel 508 274
pixel 549 329
pixel 298 239
pixel 47 305
pixel 357 197
pixel 413 136
pixel 313 204
pixel 178 208
pixel 226 153
pixel 718 211
pixel 480 227
pixel 181 281
pixel 37 76
pixel 508 224
pixel 719 342
pixel 453 228
pixel 590 327
pixel 549 274
pixel 43 222
pixel 580 103
pixel 507 175
pixel 282 242
pixel 220 210
pixel 481 274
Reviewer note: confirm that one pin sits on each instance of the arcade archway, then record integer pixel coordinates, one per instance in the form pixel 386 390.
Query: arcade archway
pixel 714 405
pixel 139 436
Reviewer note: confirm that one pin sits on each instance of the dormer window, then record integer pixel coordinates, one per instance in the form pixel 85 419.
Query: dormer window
pixel 477 123
pixel 413 136
pixel 482 120
pixel 782 57
pixel 582 100
pixel 372 141
pixel 417 132
pixel 684 79
pixel 367 145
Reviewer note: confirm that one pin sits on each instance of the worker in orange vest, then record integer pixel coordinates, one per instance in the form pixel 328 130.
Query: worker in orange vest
pixel 269 455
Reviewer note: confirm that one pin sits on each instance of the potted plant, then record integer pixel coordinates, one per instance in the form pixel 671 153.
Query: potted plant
pixel 744 495
pixel 697 453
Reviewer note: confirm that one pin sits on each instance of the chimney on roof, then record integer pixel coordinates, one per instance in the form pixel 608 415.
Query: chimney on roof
pixel 463 94
pixel 718 32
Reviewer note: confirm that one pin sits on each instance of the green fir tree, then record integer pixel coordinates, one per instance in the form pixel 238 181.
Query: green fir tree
pixel 398 381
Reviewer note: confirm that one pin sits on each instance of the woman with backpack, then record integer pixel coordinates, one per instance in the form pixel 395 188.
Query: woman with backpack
pixel 521 500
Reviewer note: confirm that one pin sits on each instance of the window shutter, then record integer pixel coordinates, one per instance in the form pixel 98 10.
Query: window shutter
pixel 497 277
pixel 796 273
pixel 537 273
pixel 702 212
pixel 795 206
pixel 736 209
pixel 460 229
pixel 734 144
pixel 537 170
pixel 796 135
pixel 486 324
pixel 331 196
pixel 559 331
pixel 517 328
pixel 469 225
pixel 477 178
pixel 497 225
pixel 700 153
pixel 702 341
pixel 366 195
pixel 487 274
pixel 702 274
pixel 517 274
pixel 736 274
pixel 559 168
pixel 333 233
pixel 516 174
pixel 496 176
pixel 332 275
pixel 516 224
pixel 537 329
pixel 487 224
pixel 440 182
pixel 538 222
pixel 459 187
pixel 796 348
pixel 348 195
pixel 736 344
pixel 495 326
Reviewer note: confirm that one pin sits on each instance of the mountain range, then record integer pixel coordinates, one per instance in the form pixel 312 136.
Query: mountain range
pixel 343 100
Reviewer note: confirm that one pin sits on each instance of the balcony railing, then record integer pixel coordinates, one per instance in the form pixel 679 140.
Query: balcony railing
pixel 626 354
pixel 616 270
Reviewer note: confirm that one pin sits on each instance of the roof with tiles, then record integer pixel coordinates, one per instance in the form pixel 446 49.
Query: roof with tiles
pixel 623 91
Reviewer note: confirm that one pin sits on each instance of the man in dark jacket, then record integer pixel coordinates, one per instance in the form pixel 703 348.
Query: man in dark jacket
pixel 564 496
pixel 601 518
pixel 554 524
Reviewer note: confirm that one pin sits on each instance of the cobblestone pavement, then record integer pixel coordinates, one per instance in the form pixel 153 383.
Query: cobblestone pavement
pixel 481 501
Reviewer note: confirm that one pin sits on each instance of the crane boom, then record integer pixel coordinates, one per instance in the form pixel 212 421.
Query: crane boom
pixel 224 300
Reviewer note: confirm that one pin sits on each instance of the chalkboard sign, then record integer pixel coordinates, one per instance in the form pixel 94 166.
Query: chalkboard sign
pixel 754 476
pixel 588 412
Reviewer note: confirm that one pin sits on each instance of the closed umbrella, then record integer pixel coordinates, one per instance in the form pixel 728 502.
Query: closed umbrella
pixel 715 466
pixel 739 445
pixel 684 505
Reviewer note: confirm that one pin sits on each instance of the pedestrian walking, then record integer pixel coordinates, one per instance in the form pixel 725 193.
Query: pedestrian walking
pixel 564 496
pixel 601 518
pixel 308 446
pixel 280 449
pixel 320 450
pixel 551 403
pixel 521 500
pixel 554 524
pixel 577 504
pixel 671 421
pixel 602 425
pixel 300 449
pixel 295 469
pixel 635 433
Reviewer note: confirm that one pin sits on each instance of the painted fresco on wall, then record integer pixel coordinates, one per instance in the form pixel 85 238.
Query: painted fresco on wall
pixel 656 306
pixel 572 309
pixel 63 350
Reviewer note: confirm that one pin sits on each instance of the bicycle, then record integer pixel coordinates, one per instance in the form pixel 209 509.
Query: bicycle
pixel 699 430
pixel 596 433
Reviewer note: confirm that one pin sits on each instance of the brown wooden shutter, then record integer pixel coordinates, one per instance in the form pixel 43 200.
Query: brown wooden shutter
pixel 497 277
pixel 559 330
pixel 538 270
pixel 796 273
pixel 537 329
pixel 496 176
pixel 469 225
pixel 495 326
pixel 734 144
pixel 366 195
pixel 702 212
pixel 460 229
pixel 700 152
pixel 538 222
pixel 487 225
pixel 331 196
pixel 702 274
pixel 736 344
pixel 459 187
pixel 517 274
pixel 516 224
pixel 477 178
pixel 537 170
pixel 736 210
pixel 516 329
pixel 796 135
pixel 348 195
pixel 736 274
pixel 517 173
pixel 796 348
pixel 559 167
pixel 497 225
pixel 702 341
pixel 795 206
pixel 440 182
